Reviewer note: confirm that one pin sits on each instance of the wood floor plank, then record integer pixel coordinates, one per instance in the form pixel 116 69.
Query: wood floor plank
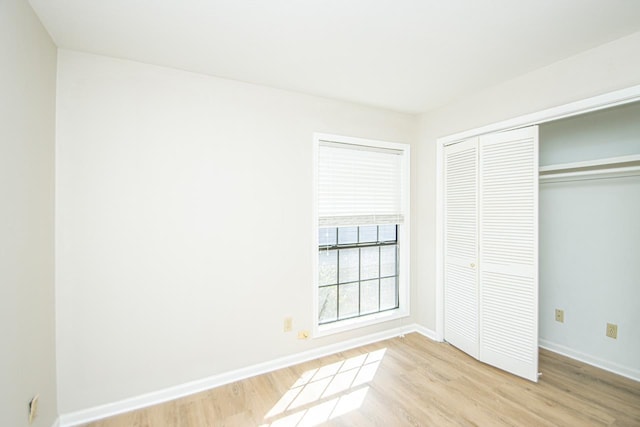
pixel 410 381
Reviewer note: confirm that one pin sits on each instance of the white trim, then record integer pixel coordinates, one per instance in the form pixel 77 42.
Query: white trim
pixel 439 332
pixel 615 368
pixel 404 233
pixel 56 423
pixel 374 147
pixel 600 102
pixel 314 236
pixel 358 322
pixel 181 390
pixel 333 138
pixel 426 332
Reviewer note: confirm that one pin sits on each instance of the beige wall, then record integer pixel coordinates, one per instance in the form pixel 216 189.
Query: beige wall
pixel 609 67
pixel 27 120
pixel 184 223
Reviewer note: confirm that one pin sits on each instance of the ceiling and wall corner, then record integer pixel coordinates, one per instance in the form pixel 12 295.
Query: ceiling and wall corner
pixel 410 56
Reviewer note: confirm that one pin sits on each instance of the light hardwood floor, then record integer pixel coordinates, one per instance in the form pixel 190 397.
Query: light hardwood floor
pixel 408 381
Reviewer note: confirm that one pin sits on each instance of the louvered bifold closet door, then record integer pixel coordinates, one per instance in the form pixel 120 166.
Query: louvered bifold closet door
pixel 508 267
pixel 461 246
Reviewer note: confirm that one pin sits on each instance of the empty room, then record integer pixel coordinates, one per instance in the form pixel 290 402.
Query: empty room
pixel 319 212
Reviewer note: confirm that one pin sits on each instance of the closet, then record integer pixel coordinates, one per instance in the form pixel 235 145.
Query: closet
pixel 589 216
pixel 490 249
pixel 572 184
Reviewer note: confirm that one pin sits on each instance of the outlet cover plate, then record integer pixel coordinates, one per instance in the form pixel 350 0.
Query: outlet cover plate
pixel 288 324
pixel 33 408
pixel 612 330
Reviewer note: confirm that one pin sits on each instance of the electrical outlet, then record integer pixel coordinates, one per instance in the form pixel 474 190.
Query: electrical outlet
pixel 303 335
pixel 559 315
pixel 612 330
pixel 288 324
pixel 33 408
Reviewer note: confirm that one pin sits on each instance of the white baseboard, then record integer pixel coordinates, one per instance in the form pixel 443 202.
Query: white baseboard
pixel 427 333
pixel 181 390
pixel 56 423
pixel 624 371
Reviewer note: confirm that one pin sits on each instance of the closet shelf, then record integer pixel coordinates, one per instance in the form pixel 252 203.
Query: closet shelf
pixel 591 169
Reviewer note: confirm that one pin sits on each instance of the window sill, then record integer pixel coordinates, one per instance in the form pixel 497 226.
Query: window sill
pixel 358 322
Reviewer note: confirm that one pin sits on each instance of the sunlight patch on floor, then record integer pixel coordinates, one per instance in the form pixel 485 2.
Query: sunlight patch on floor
pixel 325 393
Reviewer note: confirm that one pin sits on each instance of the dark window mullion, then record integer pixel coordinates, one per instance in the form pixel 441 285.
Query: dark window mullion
pixel 358 245
pixel 359 276
pixel 379 265
pixel 338 282
pixel 397 269
pixel 379 279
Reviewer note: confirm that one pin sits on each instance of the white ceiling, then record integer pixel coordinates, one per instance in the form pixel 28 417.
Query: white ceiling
pixel 404 55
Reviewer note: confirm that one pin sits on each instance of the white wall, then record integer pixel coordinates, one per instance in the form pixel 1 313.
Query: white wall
pixel 27 119
pixel 590 242
pixel 184 223
pixel 609 67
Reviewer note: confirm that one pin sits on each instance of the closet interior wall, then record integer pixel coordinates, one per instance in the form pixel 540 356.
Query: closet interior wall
pixel 589 242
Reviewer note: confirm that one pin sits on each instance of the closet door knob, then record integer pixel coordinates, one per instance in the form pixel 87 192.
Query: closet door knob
pixel 472 265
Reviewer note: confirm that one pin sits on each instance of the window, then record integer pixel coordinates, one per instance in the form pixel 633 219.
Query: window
pixel 362 247
pixel 358 271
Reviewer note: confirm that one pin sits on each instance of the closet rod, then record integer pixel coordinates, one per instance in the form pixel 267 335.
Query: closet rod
pixel 593 174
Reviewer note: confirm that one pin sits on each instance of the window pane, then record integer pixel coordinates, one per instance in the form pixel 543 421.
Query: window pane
pixel 328 267
pixel 369 263
pixel 327 236
pixel 388 293
pixel 348 295
pixel 368 234
pixel 388 260
pixel 388 233
pixel 361 278
pixel 349 265
pixel 328 303
pixel 369 297
pixel 347 235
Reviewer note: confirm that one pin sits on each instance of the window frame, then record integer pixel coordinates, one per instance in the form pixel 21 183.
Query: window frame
pixel 403 233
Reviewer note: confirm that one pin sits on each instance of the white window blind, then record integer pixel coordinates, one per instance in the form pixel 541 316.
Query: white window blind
pixel 359 185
